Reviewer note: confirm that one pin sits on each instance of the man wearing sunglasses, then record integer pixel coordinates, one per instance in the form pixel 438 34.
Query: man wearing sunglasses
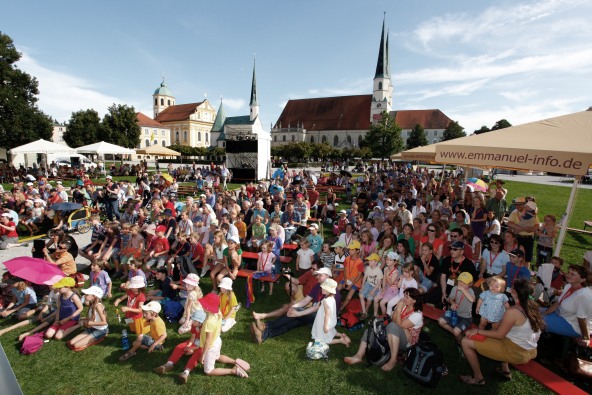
pixel 453 266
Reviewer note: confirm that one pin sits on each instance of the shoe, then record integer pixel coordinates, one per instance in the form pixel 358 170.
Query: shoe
pixel 25 244
pixel 163 369
pixel 183 377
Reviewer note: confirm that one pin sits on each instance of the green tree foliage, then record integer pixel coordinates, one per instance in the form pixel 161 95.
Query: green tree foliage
pixel 84 127
pixel 21 121
pixel 384 138
pixel 120 126
pixel 501 124
pixel 484 129
pixel 453 131
pixel 417 137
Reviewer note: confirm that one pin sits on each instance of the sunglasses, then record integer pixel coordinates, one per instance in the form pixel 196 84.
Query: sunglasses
pixel 493 242
pixel 455 249
pixel 431 230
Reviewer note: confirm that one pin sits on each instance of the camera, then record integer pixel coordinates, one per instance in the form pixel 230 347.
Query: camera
pixel 286 271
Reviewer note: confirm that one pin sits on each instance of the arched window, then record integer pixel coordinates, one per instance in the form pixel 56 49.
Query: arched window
pixel 380 86
pixel 348 138
pixel 207 137
pixel 163 143
pixel 284 137
pixel 324 139
pixel 147 143
pixel 274 138
pixel 168 102
pixel 336 141
pixel 162 102
pixel 312 139
pixel 185 136
pixel 177 136
pixel 360 141
pixel 155 101
pixel 293 138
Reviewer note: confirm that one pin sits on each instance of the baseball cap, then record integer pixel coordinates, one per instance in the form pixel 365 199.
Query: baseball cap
pixel 531 205
pixel 373 257
pixel 458 244
pixel 153 306
pixel 324 270
pixel 393 255
pixel 161 228
pixel 233 239
pixel 355 245
pixel 465 277
pixel 339 244
pixel 314 226
pixel 517 252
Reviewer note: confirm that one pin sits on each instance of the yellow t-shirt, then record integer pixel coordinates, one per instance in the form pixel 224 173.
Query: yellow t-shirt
pixel 157 328
pixel 227 303
pixel 213 324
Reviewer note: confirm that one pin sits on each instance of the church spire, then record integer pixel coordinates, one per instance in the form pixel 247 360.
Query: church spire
pixel 254 88
pixel 388 58
pixel 254 104
pixel 382 64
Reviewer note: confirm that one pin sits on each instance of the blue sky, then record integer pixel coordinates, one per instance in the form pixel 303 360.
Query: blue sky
pixel 477 61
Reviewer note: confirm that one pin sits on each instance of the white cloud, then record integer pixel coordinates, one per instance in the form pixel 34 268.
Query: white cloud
pixel 519 95
pixel 60 93
pixel 462 89
pixel 234 104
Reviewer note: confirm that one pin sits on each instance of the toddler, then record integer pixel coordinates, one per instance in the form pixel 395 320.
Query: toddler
pixel 323 328
pixel 493 303
pixel 407 280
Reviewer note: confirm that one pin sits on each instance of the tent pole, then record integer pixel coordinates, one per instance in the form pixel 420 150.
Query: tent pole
pixel 565 222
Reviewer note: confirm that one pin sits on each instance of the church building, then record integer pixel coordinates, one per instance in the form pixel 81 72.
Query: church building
pixel 343 121
pixel 190 124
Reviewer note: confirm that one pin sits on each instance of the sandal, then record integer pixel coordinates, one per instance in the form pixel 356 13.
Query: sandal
pixel 471 380
pixel 506 375
pixel 243 364
pixel 240 372
pixel 126 356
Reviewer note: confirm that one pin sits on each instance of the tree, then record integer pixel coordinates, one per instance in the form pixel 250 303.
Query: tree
pixel 120 126
pixel 417 137
pixel 384 138
pixel 484 129
pixel 501 124
pixel 21 121
pixel 84 127
pixel 453 131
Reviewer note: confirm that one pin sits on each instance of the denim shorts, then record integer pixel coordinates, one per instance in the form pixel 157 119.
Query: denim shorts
pixel 159 261
pixel 461 322
pixel 354 287
pixel 148 341
pixel 98 334
pixel 26 309
pixel 366 291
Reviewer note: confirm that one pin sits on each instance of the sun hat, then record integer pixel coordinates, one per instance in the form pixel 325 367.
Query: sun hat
pixel 137 282
pixel 519 200
pixel 377 208
pixel 324 270
pixel 531 205
pixel 354 245
pixel 65 282
pixel 315 226
pixel 373 257
pixel 329 285
pixel 465 277
pixel 402 204
pixel 210 303
pixel 226 283
pixel 343 212
pixel 94 291
pixel 153 306
pixel 214 222
pixel 108 176
pixel 192 279
pixel 393 255
pixel 233 239
pixel 339 244
pixel 150 229
pixel 160 228
pixel 199 316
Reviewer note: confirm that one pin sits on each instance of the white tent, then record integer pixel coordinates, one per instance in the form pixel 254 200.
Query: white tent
pixel 102 148
pixel 42 147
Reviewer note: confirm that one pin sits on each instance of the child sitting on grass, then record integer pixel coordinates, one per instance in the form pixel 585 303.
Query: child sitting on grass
pixel 95 323
pixel 24 300
pixel 212 343
pixel 100 278
pixel 164 292
pixel 69 309
pixel 157 336
pixel 135 300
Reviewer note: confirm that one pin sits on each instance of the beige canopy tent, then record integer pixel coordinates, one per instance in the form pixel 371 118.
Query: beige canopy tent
pixel 559 145
pixel 101 148
pixel 427 153
pixel 157 150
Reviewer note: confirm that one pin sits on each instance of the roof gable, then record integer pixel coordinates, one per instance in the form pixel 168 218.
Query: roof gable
pixel 178 112
pixel 328 113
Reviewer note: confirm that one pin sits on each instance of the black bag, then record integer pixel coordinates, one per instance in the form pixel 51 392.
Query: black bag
pixel 377 349
pixel 424 363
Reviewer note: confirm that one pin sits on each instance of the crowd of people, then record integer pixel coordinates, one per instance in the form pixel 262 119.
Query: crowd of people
pixel 410 237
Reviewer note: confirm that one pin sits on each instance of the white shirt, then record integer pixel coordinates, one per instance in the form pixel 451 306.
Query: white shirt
pixel 415 211
pixel 577 305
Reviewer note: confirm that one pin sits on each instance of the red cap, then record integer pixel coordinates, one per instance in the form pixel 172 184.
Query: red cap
pixel 161 228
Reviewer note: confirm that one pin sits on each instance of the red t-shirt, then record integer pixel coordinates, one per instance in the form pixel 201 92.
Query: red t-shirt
pixel 307 280
pixel 160 245
pixel 8 233
pixel 133 302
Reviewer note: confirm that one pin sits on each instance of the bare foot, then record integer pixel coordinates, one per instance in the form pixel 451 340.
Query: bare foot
pixel 387 367
pixel 346 340
pixel 22 337
pixel 352 360
pixel 257 316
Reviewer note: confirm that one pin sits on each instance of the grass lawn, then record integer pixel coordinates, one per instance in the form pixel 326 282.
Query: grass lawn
pixel 279 365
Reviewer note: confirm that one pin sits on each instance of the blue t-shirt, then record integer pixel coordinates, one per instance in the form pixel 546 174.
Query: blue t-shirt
pixel 316 243
pixel 20 295
pixel 513 272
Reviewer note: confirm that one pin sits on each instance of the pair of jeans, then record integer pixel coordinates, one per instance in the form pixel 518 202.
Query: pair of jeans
pixel 112 208
pixel 285 324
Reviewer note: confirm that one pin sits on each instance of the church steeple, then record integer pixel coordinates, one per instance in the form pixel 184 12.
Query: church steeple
pixel 254 104
pixel 383 89
pixel 163 98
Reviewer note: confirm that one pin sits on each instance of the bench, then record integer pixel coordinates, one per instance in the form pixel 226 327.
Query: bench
pixel 253 255
pixel 246 273
pixel 532 369
pixel 186 190
pixel 584 231
pixel 587 223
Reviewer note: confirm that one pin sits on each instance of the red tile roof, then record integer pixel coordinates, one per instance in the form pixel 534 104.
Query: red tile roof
pixel 144 120
pixel 328 113
pixel 179 112
pixel 428 119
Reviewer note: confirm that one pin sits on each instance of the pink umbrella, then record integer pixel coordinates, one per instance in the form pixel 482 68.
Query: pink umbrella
pixel 35 270
pixel 478 185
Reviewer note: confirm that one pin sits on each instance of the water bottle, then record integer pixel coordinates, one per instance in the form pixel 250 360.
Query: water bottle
pixel 125 345
pixel 453 318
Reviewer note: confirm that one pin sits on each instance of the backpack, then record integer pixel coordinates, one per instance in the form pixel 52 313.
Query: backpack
pixel 424 363
pixel 32 343
pixel 349 318
pixel 173 311
pixel 377 349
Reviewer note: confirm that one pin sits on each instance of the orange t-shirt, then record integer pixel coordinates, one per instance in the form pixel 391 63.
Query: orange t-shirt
pixel 353 267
